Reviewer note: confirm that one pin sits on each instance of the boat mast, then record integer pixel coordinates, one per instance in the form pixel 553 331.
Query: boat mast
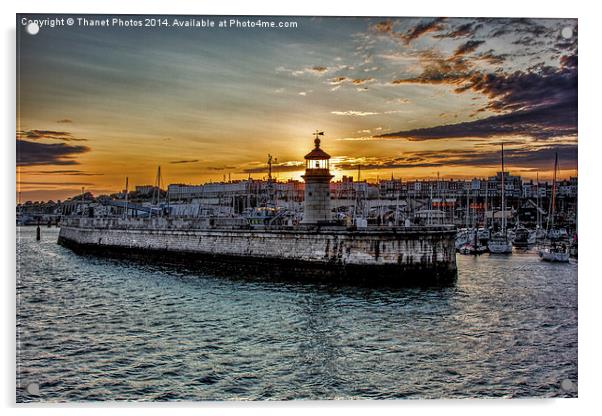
pixel 168 198
pixel 439 195
pixel 474 209
pixel 430 203
pixel 475 230
pixel 157 189
pixel 467 211
pixel 485 210
pixel 537 199
pixel 126 197
pixel 270 200
pixel 397 206
pixel 553 210
pixel 503 195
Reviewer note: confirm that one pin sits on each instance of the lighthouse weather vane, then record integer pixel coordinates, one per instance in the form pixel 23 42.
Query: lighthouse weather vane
pixel 318 133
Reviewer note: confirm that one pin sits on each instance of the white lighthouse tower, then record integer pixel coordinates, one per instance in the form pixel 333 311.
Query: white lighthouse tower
pixel 317 185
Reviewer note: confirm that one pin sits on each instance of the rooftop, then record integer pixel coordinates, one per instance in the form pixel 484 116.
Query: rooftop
pixel 317 153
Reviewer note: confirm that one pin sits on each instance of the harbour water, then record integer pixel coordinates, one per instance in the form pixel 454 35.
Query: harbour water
pixel 93 328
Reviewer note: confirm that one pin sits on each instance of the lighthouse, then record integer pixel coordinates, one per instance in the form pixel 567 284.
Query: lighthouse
pixel 317 185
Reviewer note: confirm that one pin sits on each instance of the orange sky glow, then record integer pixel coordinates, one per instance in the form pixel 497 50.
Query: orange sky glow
pixel 408 97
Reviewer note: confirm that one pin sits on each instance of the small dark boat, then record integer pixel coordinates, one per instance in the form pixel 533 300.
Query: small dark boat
pixel 522 237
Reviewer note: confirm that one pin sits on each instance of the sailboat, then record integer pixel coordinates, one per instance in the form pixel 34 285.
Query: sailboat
pixel 523 237
pixel 553 249
pixel 499 243
pixel 540 232
pixel 485 233
pixel 474 246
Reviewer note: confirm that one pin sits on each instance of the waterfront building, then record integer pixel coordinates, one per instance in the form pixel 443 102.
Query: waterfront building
pixel 145 189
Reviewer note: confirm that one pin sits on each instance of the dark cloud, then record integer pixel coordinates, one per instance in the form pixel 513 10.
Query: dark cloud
pixel 420 29
pixel 48 134
pixel 221 167
pixel 541 123
pixel 528 41
pixel 55 183
pixel 529 157
pixel 35 153
pixel 534 39
pixel 319 69
pixel 454 70
pixel 468 47
pixel 461 31
pixel 537 44
pixel 504 26
pixel 385 26
pixel 497 143
pixel 540 103
pixel 569 61
pixel 440 70
pixel 522 90
pixel 534 157
pixel 491 57
pixel 343 80
pixel 337 80
pixel 64 121
pixel 175 162
pixel 69 172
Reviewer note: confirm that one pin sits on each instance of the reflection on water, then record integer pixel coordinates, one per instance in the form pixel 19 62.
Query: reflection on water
pixel 100 329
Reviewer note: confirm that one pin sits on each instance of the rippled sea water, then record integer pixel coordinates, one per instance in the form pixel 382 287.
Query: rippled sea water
pixel 93 328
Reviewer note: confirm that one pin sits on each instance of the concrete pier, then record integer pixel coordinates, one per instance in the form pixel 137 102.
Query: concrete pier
pixel 396 256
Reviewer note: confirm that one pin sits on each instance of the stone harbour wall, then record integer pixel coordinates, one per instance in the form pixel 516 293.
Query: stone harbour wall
pixel 426 251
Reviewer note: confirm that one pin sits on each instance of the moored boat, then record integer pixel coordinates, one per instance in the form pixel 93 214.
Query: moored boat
pixel 555 247
pixel 463 237
pixel 522 237
pixel 472 249
pixel 556 252
pixel 499 244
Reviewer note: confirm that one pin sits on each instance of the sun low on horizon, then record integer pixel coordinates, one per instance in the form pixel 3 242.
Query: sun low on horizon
pixel 412 98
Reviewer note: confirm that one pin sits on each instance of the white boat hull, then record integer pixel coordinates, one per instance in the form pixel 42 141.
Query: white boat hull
pixel 554 256
pixel 471 249
pixel 499 247
pixel 465 250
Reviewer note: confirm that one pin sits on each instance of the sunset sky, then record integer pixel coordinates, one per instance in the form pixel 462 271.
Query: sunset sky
pixel 404 96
